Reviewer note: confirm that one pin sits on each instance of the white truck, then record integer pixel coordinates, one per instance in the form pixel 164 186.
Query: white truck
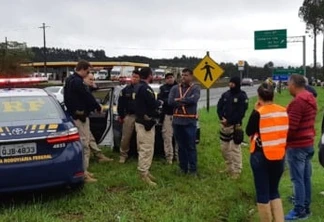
pixel 121 71
pixel 101 74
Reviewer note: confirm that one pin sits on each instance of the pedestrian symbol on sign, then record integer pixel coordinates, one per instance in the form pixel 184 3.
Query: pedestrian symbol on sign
pixel 208 72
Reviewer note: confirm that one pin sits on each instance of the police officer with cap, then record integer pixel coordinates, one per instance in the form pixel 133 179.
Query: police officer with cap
pixel 145 111
pixel 166 117
pixel 126 112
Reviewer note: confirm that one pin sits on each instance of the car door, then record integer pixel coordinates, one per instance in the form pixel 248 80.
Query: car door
pixel 101 124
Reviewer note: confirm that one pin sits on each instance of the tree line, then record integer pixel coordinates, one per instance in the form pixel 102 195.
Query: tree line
pixel 230 69
pixel 13 55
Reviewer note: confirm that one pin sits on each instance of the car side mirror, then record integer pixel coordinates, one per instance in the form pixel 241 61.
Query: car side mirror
pixel 98 100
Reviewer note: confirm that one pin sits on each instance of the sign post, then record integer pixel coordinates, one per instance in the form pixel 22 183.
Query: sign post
pixel 241 64
pixel 207 72
pixel 207 92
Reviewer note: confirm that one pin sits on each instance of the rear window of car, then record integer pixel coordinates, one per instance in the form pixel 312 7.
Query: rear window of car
pixel 29 108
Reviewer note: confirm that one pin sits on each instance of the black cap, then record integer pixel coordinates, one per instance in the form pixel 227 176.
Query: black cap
pixel 236 80
pixel 168 74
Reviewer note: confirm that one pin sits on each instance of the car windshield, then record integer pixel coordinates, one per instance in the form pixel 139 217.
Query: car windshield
pixel 52 89
pixel 29 108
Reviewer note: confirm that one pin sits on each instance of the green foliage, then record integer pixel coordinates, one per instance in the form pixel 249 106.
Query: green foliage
pixel 12 54
pixel 312 12
pixel 58 54
pixel 120 195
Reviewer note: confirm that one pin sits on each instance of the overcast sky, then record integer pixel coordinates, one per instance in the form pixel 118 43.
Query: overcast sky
pixel 160 28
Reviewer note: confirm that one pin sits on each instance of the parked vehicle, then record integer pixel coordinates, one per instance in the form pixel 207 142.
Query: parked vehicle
pixel 247 82
pixel 101 75
pixel 39 145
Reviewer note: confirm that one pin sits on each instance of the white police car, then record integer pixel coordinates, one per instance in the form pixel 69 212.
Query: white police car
pixel 39 144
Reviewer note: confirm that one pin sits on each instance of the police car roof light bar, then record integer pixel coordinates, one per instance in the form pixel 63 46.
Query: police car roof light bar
pixel 14 82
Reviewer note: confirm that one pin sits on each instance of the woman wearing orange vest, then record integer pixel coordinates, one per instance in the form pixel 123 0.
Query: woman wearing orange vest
pixel 267 129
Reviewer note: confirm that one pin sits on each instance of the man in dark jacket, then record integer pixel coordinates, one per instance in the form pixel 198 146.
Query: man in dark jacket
pixel 231 109
pixel 79 101
pixel 146 107
pixel 166 117
pixel 126 112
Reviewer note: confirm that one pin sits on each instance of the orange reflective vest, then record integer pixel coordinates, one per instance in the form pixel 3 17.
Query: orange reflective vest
pixel 183 112
pixel 273 125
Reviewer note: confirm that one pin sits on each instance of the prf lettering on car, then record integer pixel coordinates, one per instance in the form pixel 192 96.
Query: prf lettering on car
pixel 22 106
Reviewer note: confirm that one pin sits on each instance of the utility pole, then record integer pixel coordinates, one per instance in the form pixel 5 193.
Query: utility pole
pixel 44 50
pixel 304 54
pixel 294 39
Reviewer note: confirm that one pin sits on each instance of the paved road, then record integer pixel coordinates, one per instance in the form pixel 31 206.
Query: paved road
pixel 215 94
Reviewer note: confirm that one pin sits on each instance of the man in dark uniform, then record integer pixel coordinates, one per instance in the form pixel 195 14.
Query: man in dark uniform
pixel 231 109
pixel 145 111
pixel 166 117
pixel 79 101
pixel 126 112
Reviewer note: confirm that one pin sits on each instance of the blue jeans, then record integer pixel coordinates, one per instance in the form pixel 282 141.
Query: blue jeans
pixel 185 136
pixel 300 166
pixel 267 174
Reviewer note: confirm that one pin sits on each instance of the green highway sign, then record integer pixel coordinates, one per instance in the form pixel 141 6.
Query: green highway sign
pixel 288 71
pixel 270 39
pixel 283 74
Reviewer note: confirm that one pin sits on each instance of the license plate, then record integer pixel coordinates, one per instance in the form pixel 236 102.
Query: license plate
pixel 18 149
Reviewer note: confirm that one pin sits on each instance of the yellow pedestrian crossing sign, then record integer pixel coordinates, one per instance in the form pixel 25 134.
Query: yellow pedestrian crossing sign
pixel 207 71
